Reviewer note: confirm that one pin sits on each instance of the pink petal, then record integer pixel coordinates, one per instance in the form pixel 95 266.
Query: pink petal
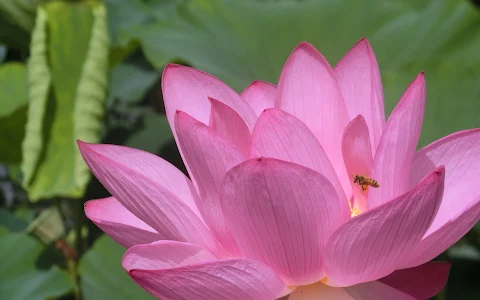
pixel 375 290
pixel 422 282
pixel 228 124
pixel 259 95
pixel 319 291
pixel 152 189
pixel 459 211
pixel 308 90
pixel 210 156
pixel 281 214
pixel 119 223
pixel 357 155
pixel 460 154
pixel 359 79
pixel 165 255
pixel 371 245
pixel 440 240
pixel 188 90
pixel 280 135
pixel 179 271
pixel 393 159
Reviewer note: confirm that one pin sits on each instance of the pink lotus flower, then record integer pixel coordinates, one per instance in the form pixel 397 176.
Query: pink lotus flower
pixel 271 208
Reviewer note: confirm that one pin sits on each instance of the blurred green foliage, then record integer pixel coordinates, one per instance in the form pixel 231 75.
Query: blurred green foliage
pixel 16 21
pixel 13 92
pixel 20 278
pixel 67 95
pixel 97 267
pixel 90 70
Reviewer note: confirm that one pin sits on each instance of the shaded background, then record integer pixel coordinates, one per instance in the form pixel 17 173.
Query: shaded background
pixel 90 70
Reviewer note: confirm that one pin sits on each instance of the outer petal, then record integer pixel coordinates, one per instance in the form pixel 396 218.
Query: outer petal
pixel 375 290
pixel 459 211
pixel 418 283
pixel 308 90
pixel 282 214
pixel 357 155
pixel 188 90
pixel 319 291
pixel 422 282
pixel 179 271
pixel 440 240
pixel 152 189
pixel 210 156
pixel 280 135
pixel 228 124
pixel 370 246
pixel 165 255
pixel 359 79
pixel 119 223
pixel 460 154
pixel 259 95
pixel 393 159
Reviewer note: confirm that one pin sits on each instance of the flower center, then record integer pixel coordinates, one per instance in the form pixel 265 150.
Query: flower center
pixel 353 210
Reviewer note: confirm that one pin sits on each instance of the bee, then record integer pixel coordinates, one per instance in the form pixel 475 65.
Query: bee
pixel 365 181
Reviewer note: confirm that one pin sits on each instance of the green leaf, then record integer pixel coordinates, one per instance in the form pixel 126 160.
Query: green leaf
pixel 11 222
pixel 103 276
pixel 13 107
pixel 239 41
pixel 25 214
pixel 68 81
pixel 20 279
pixel 131 80
pixel 39 82
pixel 13 88
pixel 3 52
pixel 123 15
pixel 17 18
pixel 154 134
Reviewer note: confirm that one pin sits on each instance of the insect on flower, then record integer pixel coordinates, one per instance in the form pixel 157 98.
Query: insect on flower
pixel 365 181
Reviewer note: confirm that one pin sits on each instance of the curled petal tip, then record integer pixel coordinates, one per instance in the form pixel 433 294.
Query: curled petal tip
pixel 259 82
pixel 170 66
pixel 181 116
pixel 440 171
pixel 359 118
pixel 305 45
pixel 364 41
pixel 261 159
pixel 83 146
pixel 268 110
pixel 421 76
pixel 214 101
pixel 167 67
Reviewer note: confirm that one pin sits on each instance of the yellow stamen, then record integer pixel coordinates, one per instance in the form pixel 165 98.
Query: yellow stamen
pixel 324 280
pixel 353 210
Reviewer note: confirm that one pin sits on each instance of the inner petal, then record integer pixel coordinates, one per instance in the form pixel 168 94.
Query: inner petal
pixel 358 159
